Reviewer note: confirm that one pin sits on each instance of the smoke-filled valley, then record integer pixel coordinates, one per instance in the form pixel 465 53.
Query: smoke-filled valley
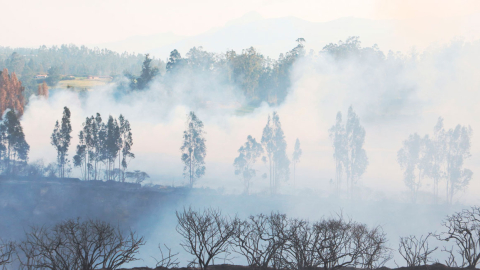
pixel 335 137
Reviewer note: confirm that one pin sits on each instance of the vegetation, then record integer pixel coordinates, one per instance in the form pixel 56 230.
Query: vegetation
pixel 11 93
pixel 193 149
pixel 350 157
pixel 440 157
pixel 103 144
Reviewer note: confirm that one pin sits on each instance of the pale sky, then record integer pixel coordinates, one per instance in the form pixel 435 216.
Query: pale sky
pixel 33 22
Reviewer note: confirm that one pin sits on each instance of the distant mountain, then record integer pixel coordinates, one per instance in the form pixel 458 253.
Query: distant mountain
pixel 140 44
pixel 275 36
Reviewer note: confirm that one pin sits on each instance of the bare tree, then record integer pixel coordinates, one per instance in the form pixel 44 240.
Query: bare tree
pixel 463 228
pixel 260 238
pixel 299 249
pixel 373 243
pixel 415 251
pixel 7 250
pixel 72 244
pixel 206 234
pixel 341 243
pixel 167 260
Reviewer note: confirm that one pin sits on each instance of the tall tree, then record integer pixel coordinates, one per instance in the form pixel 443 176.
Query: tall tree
pixel 297 153
pixel 436 154
pixel 15 147
pixel 126 140
pixel 60 139
pixel 356 161
pixel 53 76
pixel 339 138
pixel 175 62
pixel 247 157
pixel 193 149
pixel 11 93
pixel 149 72
pixel 273 140
pixel 112 146
pixel 413 160
pixel 457 150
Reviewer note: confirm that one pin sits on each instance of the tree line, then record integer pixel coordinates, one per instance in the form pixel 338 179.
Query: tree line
pixel 66 60
pixel 103 152
pixel 272 240
pixel 440 157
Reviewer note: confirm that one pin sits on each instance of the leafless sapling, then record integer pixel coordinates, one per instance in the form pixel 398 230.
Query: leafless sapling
pixel 415 251
pixel 167 260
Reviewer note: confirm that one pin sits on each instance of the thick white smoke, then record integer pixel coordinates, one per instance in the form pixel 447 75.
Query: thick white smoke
pixel 394 98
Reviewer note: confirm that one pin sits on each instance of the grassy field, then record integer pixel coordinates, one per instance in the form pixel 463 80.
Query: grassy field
pixel 82 83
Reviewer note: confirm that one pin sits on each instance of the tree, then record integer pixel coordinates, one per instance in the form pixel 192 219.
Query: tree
pixel 205 234
pixel 138 176
pixel 356 160
pixel 113 142
pixel 148 73
pixel 126 140
pixel 16 63
pixel 11 93
pixel 437 154
pixel 175 62
pixel 43 90
pixel 261 238
pixel 457 150
pixel 53 76
pixel 297 153
pixel 60 139
pixel 7 250
pixel 247 69
pixel 415 251
pixel 413 159
pixel 340 243
pixel 273 141
pixel 463 228
pixel 193 149
pixel 248 155
pixel 14 147
pixel 339 138
pixel 72 244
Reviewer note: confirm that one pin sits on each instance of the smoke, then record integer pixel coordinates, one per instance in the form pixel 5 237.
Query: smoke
pixel 394 96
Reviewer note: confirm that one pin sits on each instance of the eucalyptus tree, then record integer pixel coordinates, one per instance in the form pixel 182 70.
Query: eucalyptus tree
pixel 458 144
pixel 60 139
pixel 273 141
pixel 13 146
pixel 297 153
pixel 338 136
pixel 247 157
pixel 193 149
pixel 349 154
pixel 112 147
pixel 126 140
pixel 356 160
pixel 413 159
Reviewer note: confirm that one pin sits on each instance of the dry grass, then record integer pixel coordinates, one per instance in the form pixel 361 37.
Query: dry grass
pixel 82 83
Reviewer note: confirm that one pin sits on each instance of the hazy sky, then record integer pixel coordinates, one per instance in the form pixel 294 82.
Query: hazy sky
pixel 33 22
